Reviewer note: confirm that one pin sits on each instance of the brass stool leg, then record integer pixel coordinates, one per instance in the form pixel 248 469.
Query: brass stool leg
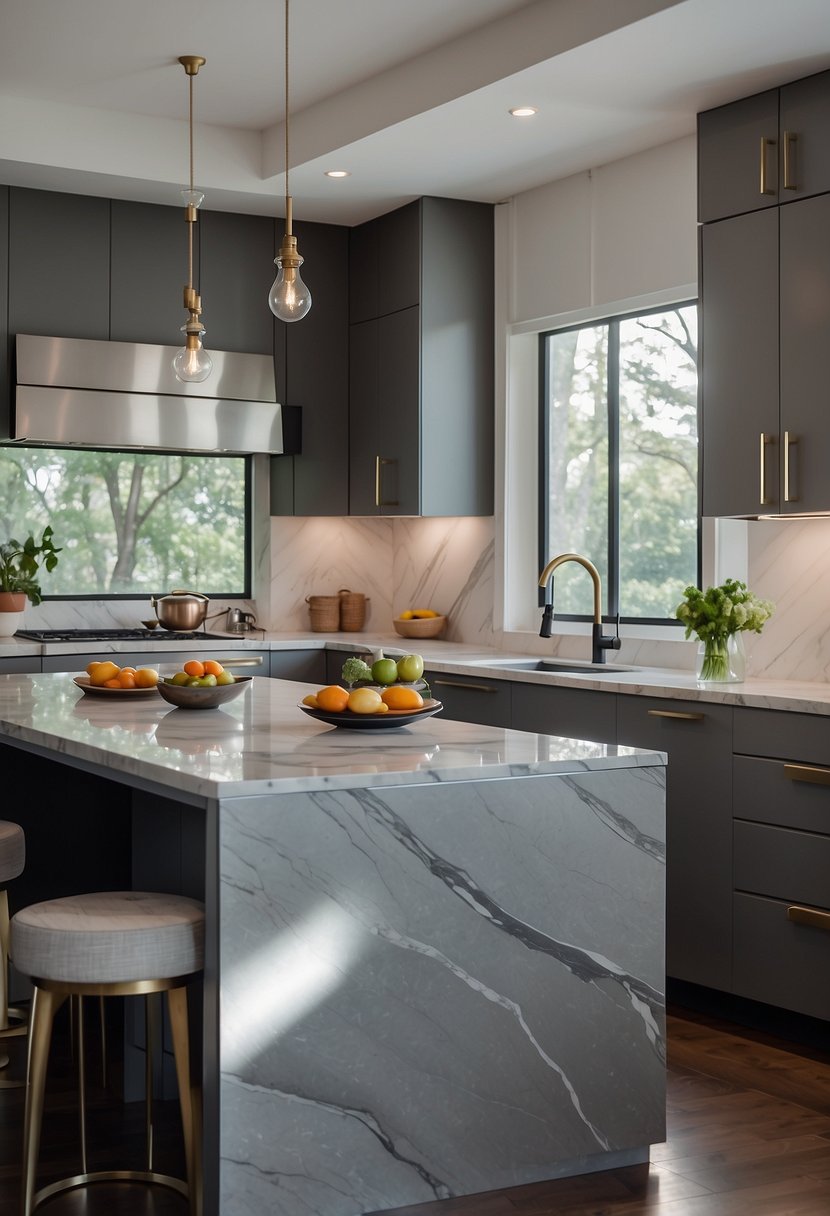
pixel 177 1005
pixel 45 1005
pixel 152 1032
pixel 77 1003
pixel 9 1029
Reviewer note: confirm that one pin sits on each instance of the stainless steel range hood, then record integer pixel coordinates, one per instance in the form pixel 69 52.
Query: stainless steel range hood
pixel 73 391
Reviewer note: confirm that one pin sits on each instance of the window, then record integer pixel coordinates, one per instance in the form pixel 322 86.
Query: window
pixel 619 475
pixel 131 523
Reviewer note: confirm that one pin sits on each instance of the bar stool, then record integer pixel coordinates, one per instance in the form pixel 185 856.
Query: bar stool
pixel 12 861
pixel 112 943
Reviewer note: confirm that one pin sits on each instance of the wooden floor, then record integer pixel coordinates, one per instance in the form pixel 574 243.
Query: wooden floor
pixel 749 1135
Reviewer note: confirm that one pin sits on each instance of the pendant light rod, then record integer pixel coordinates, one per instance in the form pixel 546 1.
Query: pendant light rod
pixel 192 362
pixel 288 207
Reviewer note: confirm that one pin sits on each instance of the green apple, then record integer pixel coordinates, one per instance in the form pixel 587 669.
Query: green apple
pixel 385 671
pixel 226 677
pixel 207 681
pixel 193 682
pixel 181 677
pixel 410 668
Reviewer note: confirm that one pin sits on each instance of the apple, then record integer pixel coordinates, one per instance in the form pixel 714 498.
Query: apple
pixel 384 671
pixel 226 677
pixel 208 681
pixel 410 668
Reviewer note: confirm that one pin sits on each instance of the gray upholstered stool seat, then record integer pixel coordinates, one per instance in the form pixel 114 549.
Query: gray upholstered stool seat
pixel 110 937
pixel 109 943
pixel 12 863
pixel 12 850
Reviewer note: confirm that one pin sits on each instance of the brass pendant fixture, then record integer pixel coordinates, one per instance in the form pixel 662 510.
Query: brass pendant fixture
pixel 289 299
pixel 192 363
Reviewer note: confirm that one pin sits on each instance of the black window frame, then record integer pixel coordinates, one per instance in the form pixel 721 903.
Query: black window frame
pixel 610 610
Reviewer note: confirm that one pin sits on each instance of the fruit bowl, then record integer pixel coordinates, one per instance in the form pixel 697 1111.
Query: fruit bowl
pixel 202 698
pixel 420 627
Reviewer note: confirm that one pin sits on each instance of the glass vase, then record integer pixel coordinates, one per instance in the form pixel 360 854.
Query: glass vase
pixel 721 660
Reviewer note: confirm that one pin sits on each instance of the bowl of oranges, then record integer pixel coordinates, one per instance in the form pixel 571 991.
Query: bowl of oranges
pixel 369 708
pixel 107 678
pixel 202 684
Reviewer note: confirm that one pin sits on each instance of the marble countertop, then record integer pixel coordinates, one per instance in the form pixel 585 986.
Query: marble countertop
pixel 262 743
pixel 465 659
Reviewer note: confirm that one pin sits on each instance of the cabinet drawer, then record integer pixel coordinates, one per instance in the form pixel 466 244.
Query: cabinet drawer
pixel 801 737
pixel 577 714
pixel 469 699
pixel 783 864
pixel 305 665
pixel 777 791
pixel 779 961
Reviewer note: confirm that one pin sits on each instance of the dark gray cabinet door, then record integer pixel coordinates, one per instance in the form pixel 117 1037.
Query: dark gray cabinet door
pixel 398 424
pixel 805 326
pixel 730 155
pixel 5 380
pixel 804 149
pixel 309 666
pixel 24 665
pixel 399 258
pixel 739 374
pixel 363 413
pixel 148 270
pixel 59 264
pixel 698 740
pixel 236 270
pixel 472 698
pixel 574 713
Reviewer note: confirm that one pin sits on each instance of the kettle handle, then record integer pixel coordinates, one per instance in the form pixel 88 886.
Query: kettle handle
pixel 198 594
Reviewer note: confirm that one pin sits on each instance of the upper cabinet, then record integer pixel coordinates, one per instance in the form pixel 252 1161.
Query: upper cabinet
pixel 421 361
pixel 765 303
pixel 764 150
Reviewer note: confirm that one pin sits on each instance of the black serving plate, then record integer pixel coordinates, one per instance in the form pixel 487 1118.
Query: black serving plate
pixel 387 721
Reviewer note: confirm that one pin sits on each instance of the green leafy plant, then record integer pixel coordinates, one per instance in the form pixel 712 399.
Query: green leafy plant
pixel 19 564
pixel 718 612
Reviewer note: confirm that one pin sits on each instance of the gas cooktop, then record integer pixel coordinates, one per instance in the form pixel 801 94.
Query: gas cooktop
pixel 117 635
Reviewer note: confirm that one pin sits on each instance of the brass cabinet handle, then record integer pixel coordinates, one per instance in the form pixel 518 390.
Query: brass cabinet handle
pixel 790 140
pixel 233 661
pixel 765 145
pixel 458 684
pixel 765 439
pixel 807 772
pixel 789 441
pixel 675 713
pixel 380 461
pixel 809 916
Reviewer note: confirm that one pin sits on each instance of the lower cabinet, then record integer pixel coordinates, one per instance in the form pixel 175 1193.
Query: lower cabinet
pixel 781 872
pixel 306 665
pixel 575 713
pixel 24 665
pixel 697 737
pixel 472 698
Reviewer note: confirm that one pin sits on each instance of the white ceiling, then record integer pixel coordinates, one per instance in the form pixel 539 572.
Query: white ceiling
pixel 410 96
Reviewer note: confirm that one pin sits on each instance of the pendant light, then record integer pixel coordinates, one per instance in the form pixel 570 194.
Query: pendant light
pixel 192 363
pixel 289 299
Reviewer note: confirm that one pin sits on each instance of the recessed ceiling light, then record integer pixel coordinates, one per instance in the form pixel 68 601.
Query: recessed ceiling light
pixel 337 173
pixel 524 111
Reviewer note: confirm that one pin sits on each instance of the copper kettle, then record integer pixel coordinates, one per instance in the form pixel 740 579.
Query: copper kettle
pixel 181 610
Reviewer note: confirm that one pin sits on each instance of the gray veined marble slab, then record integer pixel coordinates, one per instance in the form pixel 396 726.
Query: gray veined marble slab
pixel 429 992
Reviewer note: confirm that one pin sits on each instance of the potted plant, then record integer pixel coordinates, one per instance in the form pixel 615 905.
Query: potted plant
pixel 19 564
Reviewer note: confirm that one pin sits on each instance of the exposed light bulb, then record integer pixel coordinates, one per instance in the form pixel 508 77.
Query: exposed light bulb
pixel 192 363
pixel 289 299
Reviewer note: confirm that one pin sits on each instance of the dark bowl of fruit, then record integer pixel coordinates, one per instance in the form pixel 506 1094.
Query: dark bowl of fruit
pixel 202 685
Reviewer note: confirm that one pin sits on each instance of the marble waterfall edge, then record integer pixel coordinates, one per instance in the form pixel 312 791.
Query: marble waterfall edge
pixel 430 992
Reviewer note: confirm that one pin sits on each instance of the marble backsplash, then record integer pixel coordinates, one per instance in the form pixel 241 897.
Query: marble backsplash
pixel 446 564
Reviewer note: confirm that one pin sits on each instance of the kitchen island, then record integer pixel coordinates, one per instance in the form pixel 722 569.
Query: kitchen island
pixel 434 953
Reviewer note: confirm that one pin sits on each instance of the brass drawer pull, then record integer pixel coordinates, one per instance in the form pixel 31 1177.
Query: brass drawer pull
pixel 458 684
pixel 765 439
pixel 380 461
pixel 765 144
pixel 790 140
pixel 674 713
pixel 809 916
pixel 789 441
pixel 807 772
pixel 233 661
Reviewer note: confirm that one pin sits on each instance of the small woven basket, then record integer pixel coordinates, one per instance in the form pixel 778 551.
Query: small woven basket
pixel 352 610
pixel 324 611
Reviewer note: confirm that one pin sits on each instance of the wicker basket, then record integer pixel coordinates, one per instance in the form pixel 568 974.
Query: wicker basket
pixel 352 610
pixel 324 611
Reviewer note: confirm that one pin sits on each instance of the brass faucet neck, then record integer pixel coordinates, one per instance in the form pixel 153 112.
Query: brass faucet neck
pixel 556 562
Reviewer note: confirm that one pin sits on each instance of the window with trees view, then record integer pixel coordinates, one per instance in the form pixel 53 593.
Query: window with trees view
pixel 131 523
pixel 620 461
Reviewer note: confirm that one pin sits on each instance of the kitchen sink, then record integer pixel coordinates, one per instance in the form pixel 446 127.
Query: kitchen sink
pixel 562 666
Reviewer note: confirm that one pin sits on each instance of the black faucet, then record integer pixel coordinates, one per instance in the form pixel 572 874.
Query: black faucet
pixel 600 642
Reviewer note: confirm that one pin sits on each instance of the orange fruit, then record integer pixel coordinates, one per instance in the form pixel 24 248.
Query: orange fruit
pixel 125 678
pixel 398 697
pixel 131 670
pixel 102 672
pixel 311 701
pixel 146 677
pixel 333 699
pixel 89 666
pixel 212 667
pixel 194 667
pixel 113 683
